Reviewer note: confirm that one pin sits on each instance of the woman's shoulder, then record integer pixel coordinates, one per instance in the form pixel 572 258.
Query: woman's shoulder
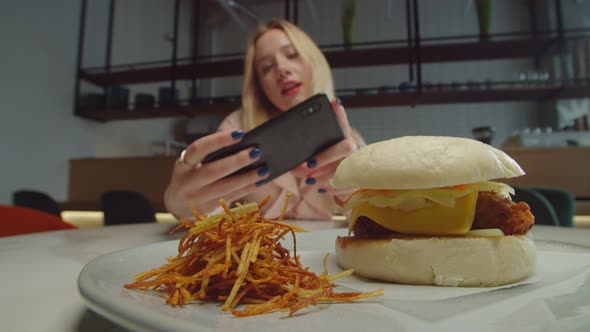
pixel 233 121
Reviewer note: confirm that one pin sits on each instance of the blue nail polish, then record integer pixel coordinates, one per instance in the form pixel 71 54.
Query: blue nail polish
pixel 237 134
pixel 255 153
pixel 263 171
pixel 310 181
pixel 261 182
pixel 322 191
pixel 312 163
pixel 339 101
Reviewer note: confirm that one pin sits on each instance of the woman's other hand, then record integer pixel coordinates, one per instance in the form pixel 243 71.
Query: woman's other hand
pixel 320 169
pixel 200 186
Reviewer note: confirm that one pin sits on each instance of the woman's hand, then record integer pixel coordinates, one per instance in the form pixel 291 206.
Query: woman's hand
pixel 319 170
pixel 198 186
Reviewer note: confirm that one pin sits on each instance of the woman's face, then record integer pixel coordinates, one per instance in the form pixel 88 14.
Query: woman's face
pixel 283 75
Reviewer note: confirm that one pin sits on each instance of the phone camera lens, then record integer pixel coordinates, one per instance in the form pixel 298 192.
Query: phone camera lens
pixel 313 108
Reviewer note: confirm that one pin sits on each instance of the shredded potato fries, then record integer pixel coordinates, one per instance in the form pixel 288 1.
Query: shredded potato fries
pixel 237 258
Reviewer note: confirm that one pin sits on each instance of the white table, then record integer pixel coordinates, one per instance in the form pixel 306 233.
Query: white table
pixel 39 272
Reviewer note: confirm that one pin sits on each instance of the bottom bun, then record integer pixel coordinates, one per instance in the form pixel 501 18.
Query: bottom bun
pixel 441 261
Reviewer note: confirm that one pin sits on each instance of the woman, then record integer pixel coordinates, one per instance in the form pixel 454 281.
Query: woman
pixel 282 68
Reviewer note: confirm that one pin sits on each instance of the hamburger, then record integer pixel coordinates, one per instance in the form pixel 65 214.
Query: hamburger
pixel 428 213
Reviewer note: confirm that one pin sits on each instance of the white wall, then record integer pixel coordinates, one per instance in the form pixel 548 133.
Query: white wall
pixel 39 132
pixel 577 13
pixel 37 66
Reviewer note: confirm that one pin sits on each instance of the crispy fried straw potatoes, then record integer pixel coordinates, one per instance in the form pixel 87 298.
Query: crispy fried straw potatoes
pixel 237 258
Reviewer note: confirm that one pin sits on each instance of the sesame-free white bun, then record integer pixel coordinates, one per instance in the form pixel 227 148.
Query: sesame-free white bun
pixel 441 261
pixel 418 162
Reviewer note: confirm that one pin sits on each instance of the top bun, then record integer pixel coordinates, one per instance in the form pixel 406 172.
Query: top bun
pixel 419 162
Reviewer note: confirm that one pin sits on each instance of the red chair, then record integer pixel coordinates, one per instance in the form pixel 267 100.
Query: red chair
pixel 16 220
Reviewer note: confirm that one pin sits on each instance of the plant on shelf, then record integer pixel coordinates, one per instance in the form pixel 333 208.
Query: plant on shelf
pixel 348 15
pixel 484 18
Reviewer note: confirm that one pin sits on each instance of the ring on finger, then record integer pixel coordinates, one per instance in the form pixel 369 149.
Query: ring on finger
pixel 182 160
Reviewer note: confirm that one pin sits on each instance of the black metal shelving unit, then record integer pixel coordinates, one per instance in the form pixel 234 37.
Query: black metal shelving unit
pixel 412 52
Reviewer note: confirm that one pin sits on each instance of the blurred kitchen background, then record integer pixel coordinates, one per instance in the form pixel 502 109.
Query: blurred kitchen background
pixel 94 93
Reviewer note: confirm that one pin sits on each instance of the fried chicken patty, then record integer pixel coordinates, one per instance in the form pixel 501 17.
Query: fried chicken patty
pixel 491 211
pixel 494 211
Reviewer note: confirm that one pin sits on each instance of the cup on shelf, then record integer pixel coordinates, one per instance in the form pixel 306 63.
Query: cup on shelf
pixel 532 78
pixel 387 89
pixel 118 98
pixel 532 138
pixel 455 85
pixel 484 134
pixel 167 96
pixel 544 76
pixel 144 100
pixel 474 85
pixel 407 86
pixel 428 86
pixel 92 101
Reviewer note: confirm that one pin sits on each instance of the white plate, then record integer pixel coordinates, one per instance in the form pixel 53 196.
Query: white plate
pixel 557 295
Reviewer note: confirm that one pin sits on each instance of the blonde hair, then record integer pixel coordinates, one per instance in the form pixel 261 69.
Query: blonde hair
pixel 255 105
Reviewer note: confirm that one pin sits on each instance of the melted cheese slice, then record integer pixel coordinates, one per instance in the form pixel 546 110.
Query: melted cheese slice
pixel 436 219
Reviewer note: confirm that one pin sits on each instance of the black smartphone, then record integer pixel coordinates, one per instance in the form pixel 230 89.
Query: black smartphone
pixel 289 139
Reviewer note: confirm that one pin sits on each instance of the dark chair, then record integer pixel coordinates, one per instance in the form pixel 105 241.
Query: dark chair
pixel 540 206
pixel 36 200
pixel 18 220
pixel 126 207
pixel 563 202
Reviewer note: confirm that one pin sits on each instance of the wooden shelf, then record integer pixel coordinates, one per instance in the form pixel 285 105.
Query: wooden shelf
pixel 453 96
pixel 361 57
pixel 575 92
pixel 443 53
pixel 190 110
pixel 489 50
pixel 364 101
pixel 165 73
